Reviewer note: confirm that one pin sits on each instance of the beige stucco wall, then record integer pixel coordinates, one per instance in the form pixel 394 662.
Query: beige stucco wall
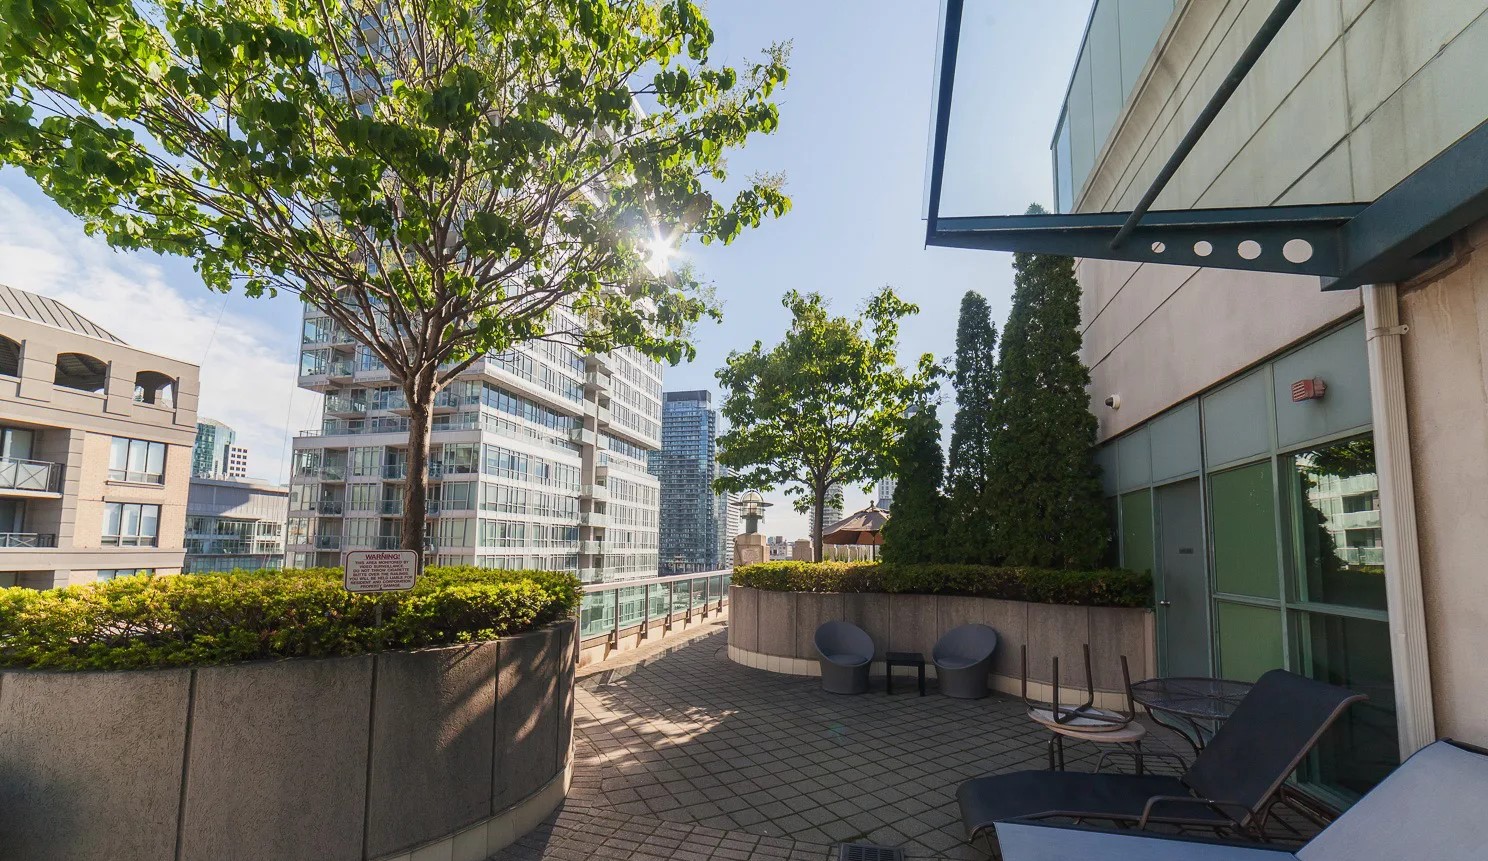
pixel 76 428
pixel 1350 98
pixel 1446 369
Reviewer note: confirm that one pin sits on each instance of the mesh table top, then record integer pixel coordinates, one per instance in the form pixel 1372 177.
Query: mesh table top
pixel 1201 698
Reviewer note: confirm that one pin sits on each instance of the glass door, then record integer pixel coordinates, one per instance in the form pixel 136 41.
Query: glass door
pixel 1338 613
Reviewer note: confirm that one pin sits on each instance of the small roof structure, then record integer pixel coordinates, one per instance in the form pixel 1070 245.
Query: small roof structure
pixel 50 312
pixel 860 527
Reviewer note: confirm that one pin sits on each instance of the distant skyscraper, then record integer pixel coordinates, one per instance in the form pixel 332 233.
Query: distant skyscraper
pixel 693 516
pixel 730 522
pixel 832 511
pixel 213 454
pixel 884 493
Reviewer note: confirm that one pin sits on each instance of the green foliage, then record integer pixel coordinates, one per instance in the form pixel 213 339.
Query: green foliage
pixel 825 405
pixel 1046 484
pixel 1096 588
pixel 438 176
pixel 146 621
pixel 972 507
pixel 917 530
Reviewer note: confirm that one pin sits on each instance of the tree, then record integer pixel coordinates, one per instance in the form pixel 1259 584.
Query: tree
pixel 1047 486
pixel 972 510
pixel 916 531
pixel 444 178
pixel 825 405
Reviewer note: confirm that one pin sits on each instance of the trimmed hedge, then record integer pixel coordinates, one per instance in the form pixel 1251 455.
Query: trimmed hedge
pixel 147 621
pixel 1104 588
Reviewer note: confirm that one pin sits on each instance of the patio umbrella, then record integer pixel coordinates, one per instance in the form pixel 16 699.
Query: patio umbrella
pixel 860 527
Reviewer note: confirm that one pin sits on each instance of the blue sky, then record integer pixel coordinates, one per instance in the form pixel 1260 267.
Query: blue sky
pixel 854 129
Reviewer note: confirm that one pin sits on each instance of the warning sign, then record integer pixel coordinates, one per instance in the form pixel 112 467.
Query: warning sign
pixel 381 570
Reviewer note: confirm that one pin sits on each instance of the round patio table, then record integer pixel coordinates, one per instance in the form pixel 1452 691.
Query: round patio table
pixel 1194 701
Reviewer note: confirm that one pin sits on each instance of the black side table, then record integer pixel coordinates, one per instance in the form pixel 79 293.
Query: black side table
pixel 903 659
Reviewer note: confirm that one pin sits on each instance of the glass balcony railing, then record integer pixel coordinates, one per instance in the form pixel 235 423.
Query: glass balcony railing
pixel 609 608
pixel 38 475
pixel 27 540
pixel 329 506
pixel 391 506
pixel 327 542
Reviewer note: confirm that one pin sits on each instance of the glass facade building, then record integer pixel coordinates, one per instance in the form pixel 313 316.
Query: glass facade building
pixel 695 524
pixel 538 459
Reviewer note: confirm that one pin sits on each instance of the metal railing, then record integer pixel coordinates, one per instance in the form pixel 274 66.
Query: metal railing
pixel 20 474
pixel 610 609
pixel 27 539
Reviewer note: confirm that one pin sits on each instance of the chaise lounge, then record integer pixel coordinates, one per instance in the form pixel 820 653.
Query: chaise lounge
pixel 1229 788
pixel 1431 807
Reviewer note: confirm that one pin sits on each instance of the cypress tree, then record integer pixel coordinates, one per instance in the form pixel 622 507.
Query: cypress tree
pixel 916 530
pixel 971 514
pixel 1050 510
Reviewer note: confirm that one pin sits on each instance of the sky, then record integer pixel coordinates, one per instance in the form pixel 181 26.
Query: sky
pixel 853 136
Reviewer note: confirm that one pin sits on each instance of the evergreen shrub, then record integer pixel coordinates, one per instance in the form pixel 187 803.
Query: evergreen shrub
pixel 1096 587
pixel 145 621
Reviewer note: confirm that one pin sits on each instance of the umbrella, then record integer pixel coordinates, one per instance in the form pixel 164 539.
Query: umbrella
pixel 860 527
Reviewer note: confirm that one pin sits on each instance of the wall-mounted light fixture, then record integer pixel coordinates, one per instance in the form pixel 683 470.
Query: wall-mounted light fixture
pixel 1309 390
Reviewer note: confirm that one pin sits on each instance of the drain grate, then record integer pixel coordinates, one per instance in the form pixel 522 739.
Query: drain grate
pixel 868 852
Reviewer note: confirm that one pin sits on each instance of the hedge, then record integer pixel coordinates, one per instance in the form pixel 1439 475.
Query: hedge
pixel 145 621
pixel 1102 588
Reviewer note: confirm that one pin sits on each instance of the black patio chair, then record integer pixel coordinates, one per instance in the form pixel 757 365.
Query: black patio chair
pixel 1431 807
pixel 846 651
pixel 963 660
pixel 1229 788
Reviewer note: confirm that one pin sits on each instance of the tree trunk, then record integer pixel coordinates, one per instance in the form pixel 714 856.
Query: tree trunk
pixel 420 397
pixel 818 510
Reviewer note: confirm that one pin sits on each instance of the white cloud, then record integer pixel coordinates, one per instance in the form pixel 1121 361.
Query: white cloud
pixel 248 365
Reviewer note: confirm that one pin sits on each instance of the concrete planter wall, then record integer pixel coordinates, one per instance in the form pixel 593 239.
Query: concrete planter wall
pixel 773 631
pixel 369 757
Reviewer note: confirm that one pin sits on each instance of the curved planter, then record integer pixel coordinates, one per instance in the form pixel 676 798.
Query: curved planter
pixel 773 631
pixel 368 757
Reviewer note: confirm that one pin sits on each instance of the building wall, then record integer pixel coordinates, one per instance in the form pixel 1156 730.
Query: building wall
pixel 75 430
pixel 1349 99
pixel 235 524
pixel 1446 369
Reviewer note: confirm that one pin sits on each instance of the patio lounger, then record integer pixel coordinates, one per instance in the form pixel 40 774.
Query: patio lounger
pixel 963 658
pixel 1229 787
pixel 846 652
pixel 1430 808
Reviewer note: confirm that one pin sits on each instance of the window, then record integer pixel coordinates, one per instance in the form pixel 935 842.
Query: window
pixel 82 372
pixel 111 573
pixel 130 524
pixel 137 460
pixel 153 387
pixel 10 357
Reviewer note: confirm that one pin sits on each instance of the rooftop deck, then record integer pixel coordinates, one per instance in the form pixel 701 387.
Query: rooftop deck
pixel 683 754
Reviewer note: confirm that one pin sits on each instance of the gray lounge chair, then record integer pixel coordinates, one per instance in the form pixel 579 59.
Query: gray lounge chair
pixel 1229 788
pixel 963 659
pixel 846 653
pixel 1431 807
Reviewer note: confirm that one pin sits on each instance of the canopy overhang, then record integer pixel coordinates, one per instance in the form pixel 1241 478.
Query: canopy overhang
pixel 1401 235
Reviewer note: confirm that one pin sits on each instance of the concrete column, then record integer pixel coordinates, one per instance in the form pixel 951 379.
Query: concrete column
pixel 1411 663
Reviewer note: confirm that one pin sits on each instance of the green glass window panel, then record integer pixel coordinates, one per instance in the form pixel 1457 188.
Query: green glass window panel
pixel 1250 641
pixel 1362 747
pixel 1136 531
pixel 632 606
pixel 1242 506
pixel 597 614
pixel 660 600
pixel 1336 512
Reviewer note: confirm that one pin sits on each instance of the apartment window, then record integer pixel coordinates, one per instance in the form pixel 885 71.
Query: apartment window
pixel 111 573
pixel 10 357
pixel 130 524
pixel 137 460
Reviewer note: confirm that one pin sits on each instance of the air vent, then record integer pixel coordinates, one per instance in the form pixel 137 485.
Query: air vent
pixel 868 852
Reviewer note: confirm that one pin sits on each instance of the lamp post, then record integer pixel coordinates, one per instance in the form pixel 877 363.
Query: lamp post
pixel 749 548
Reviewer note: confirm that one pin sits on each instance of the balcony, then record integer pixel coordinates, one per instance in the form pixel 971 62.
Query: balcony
pixel 597 491
pixel 340 369
pixel 330 506
pixel 387 542
pixel 327 542
pixel 591 547
pixel 1355 520
pixel 27 540
pixel 392 507
pixel 593 518
pixel 395 471
pixel 37 476
pixel 344 406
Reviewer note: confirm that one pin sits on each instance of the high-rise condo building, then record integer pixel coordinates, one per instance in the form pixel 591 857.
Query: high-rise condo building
pixel 216 453
pixel 95 449
pixel 693 514
pixel 537 461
